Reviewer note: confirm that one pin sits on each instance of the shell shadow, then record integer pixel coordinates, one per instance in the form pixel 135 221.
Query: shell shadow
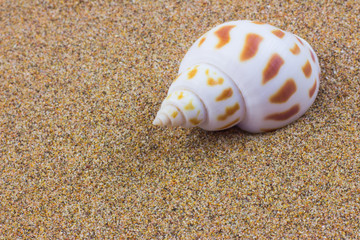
pixel 233 138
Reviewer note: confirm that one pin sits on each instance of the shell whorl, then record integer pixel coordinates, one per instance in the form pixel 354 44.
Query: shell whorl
pixel 202 96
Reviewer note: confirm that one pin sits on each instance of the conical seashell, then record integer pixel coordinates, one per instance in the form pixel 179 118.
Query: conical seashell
pixel 242 73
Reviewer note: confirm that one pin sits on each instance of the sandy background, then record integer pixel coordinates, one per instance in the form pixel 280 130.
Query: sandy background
pixel 80 84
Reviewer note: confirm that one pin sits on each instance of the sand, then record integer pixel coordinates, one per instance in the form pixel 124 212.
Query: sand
pixel 80 84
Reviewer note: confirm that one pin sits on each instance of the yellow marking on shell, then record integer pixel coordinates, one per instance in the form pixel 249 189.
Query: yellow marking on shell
pixel 189 106
pixel 192 73
pixel 174 114
pixel 307 69
pixel 228 112
pixel 181 95
pixel 295 49
pixel 227 93
pixel 229 124
pixel 213 82
pixel 177 78
pixel 169 96
pixel 195 120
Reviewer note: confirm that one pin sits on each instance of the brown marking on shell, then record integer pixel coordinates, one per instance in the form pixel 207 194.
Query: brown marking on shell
pixel 285 92
pixel 228 112
pixel 307 69
pixel 282 116
pixel 278 33
pixel 192 73
pixel 227 93
pixel 252 42
pixel 312 89
pixel 272 68
pixel 202 40
pixel 312 55
pixel 174 114
pixel 189 106
pixel 181 95
pixel 295 49
pixel 223 34
pixel 229 124
pixel 213 82
pixel 299 40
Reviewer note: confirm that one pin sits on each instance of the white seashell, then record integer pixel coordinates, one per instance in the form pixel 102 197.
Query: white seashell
pixel 242 73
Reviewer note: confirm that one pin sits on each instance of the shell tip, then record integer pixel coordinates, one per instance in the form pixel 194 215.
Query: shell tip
pixel 162 120
pixel 157 122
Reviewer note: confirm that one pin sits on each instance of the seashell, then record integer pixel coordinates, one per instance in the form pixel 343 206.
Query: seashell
pixel 242 73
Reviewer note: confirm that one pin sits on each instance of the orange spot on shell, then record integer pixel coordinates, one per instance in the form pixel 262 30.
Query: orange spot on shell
pixel 285 92
pixel 251 46
pixel 272 68
pixel 300 41
pixel 278 33
pixel 307 69
pixel 192 73
pixel 312 55
pixel 312 89
pixel 256 22
pixel 228 112
pixel 227 93
pixel 295 49
pixel 282 116
pixel 189 106
pixel 223 34
pixel 213 82
pixel 229 124
pixel 202 40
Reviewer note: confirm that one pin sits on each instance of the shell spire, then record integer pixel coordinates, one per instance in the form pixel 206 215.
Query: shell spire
pixel 180 108
pixel 202 96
